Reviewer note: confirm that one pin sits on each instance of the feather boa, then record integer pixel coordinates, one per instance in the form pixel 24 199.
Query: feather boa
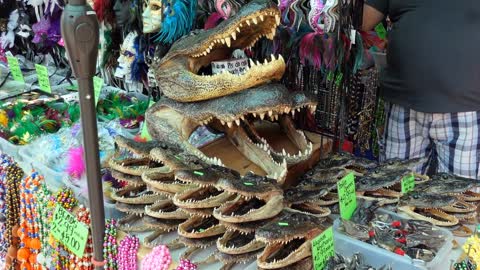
pixel 76 162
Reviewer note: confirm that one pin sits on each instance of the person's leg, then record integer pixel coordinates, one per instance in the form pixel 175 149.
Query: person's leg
pixel 406 135
pixel 456 136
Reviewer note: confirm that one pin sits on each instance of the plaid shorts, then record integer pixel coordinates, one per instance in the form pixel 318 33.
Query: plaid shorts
pixel 451 138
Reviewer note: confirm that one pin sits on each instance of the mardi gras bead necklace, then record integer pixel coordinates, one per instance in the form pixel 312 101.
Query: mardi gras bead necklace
pixel 85 262
pixel 45 213
pixel 158 259
pixel 3 209
pixel 127 253
pixel 14 175
pixel 29 229
pixel 110 247
pixel 66 198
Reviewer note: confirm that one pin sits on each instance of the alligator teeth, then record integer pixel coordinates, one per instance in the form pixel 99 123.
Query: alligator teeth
pixel 223 41
pixel 229 124
pixel 248 22
pixel 234 36
pixel 237 121
pixel 262 17
pixel 262 116
pixel 255 20
pixel 238 29
pixel 228 41
pixel 252 64
pixel 277 19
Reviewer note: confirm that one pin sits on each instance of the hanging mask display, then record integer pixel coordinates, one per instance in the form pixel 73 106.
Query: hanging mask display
pixel 176 21
pixel 127 56
pixel 153 16
pixel 122 11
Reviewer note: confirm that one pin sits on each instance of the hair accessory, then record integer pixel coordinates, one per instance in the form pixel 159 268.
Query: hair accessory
pixel 179 20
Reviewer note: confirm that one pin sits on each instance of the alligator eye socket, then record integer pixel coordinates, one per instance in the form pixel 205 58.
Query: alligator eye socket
pixel 164 146
pixel 377 171
pixel 196 162
pixel 415 196
pixel 310 173
pixel 444 176
pixel 390 162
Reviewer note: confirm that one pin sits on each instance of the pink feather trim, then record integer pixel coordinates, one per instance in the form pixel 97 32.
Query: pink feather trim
pixel 213 20
pixel 76 162
pixel 310 51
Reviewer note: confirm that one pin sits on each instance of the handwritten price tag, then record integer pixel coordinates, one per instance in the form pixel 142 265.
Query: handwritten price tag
pixel 346 196
pixel 144 134
pixel 322 249
pixel 15 69
pixel 97 88
pixel 66 229
pixel 43 79
pixel 408 183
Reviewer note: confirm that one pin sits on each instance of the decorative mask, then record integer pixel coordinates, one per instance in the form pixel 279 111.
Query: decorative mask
pixel 127 56
pixel 122 11
pixel 153 16
pixel 176 21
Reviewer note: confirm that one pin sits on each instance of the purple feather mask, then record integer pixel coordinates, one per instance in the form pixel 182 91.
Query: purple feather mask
pixel 47 32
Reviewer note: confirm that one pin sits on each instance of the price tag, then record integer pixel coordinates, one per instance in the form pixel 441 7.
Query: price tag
pixel 66 229
pixel 408 183
pixel 15 69
pixel 43 79
pixel 97 88
pixel 322 249
pixel 346 196
pixel 381 31
pixel 144 134
pixel 248 183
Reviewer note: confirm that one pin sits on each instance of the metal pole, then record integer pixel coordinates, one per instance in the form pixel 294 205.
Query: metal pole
pixel 80 32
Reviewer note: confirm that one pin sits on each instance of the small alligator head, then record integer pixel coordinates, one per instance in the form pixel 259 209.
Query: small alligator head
pixel 178 159
pixel 136 195
pixel 397 164
pixel 201 197
pixel 199 227
pixel 236 242
pixel 288 238
pixel 165 209
pixel 258 198
pixel 447 184
pixel 177 72
pixel 345 160
pixel 208 176
pixel 427 207
pixel 372 183
pixel 165 182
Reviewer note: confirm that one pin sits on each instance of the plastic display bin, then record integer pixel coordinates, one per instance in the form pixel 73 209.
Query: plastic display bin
pixel 377 257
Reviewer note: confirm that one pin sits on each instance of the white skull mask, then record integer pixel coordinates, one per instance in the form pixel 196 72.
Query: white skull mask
pixel 127 56
pixel 153 16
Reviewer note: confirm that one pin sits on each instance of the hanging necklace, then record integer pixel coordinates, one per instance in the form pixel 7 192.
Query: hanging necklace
pixel 127 253
pixel 29 230
pixel 110 247
pixel 85 262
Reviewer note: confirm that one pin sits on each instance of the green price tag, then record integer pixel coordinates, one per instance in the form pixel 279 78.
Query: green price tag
pixel 15 69
pixel 248 183
pixel 97 88
pixel 43 79
pixel 283 224
pixel 381 31
pixel 408 183
pixel 66 229
pixel 347 196
pixel 144 133
pixel 322 249
pixel 198 173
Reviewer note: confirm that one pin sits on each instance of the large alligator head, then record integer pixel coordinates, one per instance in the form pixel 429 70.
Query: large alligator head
pixel 237 116
pixel 288 238
pixel 177 72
